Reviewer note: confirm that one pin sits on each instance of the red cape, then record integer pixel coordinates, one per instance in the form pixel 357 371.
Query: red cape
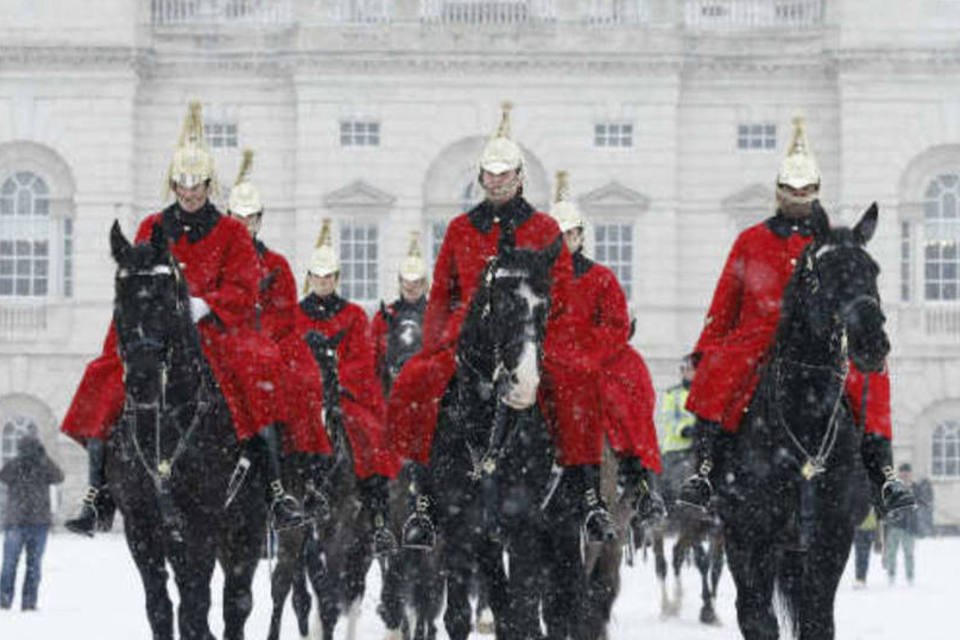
pixel 740 328
pixel 363 410
pixel 567 382
pixel 222 268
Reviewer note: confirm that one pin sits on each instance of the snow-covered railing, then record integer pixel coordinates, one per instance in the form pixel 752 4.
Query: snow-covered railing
pixel 360 12
pixel 165 13
pixel 22 321
pixel 722 15
pixel 616 13
pixel 487 12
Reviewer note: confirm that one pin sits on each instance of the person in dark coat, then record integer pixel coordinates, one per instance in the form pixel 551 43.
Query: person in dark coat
pixel 27 519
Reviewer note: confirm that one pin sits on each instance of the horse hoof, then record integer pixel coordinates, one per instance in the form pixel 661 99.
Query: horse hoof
pixel 709 616
pixel 394 634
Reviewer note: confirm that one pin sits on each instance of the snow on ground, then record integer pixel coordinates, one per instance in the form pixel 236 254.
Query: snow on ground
pixel 91 590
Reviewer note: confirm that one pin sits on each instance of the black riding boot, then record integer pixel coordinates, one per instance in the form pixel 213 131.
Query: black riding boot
pixel 316 504
pixel 891 495
pixel 284 508
pixel 376 499
pixel 419 531
pixel 598 524
pixel 697 490
pixel 636 483
pixel 98 508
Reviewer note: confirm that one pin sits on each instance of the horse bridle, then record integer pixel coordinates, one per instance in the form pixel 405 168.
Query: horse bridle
pixel 486 462
pixel 814 465
pixel 161 474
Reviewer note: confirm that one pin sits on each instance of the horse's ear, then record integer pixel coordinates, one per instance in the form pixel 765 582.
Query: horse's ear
pixel 119 245
pixel 158 240
pixel 819 222
pixel 867 226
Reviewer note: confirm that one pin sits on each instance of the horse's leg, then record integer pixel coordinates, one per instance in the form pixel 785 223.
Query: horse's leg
pixel 753 568
pixel 716 562
pixel 239 553
pixel 391 592
pixel 825 561
pixel 301 596
pixel 660 566
pixel 288 564
pixel 702 559
pixel 457 569
pixel 193 561
pixel 145 541
pixel 680 549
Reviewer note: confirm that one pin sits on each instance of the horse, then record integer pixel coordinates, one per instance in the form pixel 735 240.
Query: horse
pixel 334 554
pixel 700 536
pixel 169 459
pixel 490 465
pixel 787 482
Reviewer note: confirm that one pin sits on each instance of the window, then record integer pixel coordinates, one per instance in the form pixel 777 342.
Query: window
pixel 905 257
pixel 941 227
pixel 946 450
pixel 221 134
pixel 613 247
pixel 355 133
pixel 358 261
pixel 68 257
pixel 757 136
pixel 438 229
pixel 25 228
pixel 613 134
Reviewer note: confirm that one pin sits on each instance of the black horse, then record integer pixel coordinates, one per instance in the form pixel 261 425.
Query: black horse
pixel 491 464
pixel 336 554
pixel 787 482
pixel 170 457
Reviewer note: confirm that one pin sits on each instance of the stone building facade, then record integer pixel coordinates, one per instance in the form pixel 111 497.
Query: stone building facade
pixel 670 115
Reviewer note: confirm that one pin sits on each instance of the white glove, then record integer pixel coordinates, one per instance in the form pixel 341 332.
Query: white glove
pixel 198 308
pixel 523 392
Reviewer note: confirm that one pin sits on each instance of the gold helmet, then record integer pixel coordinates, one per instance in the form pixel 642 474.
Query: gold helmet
pixel 413 267
pixel 244 197
pixel 502 154
pixel 324 260
pixel 564 211
pixel 192 163
pixel 799 169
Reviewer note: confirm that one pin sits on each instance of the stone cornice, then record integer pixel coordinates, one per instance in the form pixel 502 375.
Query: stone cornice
pixel 162 61
pixel 72 57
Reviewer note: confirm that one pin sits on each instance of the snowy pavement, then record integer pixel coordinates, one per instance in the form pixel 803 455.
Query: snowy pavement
pixel 91 590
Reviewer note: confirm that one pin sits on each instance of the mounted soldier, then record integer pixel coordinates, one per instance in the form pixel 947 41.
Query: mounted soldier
pixel 219 264
pixel 323 310
pixel 398 327
pixel 740 328
pixel 627 399
pixel 275 318
pixel 503 218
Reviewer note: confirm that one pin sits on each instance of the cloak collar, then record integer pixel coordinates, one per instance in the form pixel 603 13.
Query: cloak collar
pixel 325 308
pixel 784 227
pixel 196 226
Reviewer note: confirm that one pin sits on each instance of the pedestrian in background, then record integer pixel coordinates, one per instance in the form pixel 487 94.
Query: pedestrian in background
pixel 863 538
pixel 27 520
pixel 901 532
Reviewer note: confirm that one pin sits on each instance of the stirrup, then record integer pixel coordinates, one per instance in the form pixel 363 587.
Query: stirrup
pixel 695 494
pixel 419 532
pixel 598 526
pixel 285 511
pixel 384 542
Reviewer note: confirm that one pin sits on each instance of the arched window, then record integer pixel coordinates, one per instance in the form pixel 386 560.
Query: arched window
pixel 946 449
pixel 24 236
pixel 941 226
